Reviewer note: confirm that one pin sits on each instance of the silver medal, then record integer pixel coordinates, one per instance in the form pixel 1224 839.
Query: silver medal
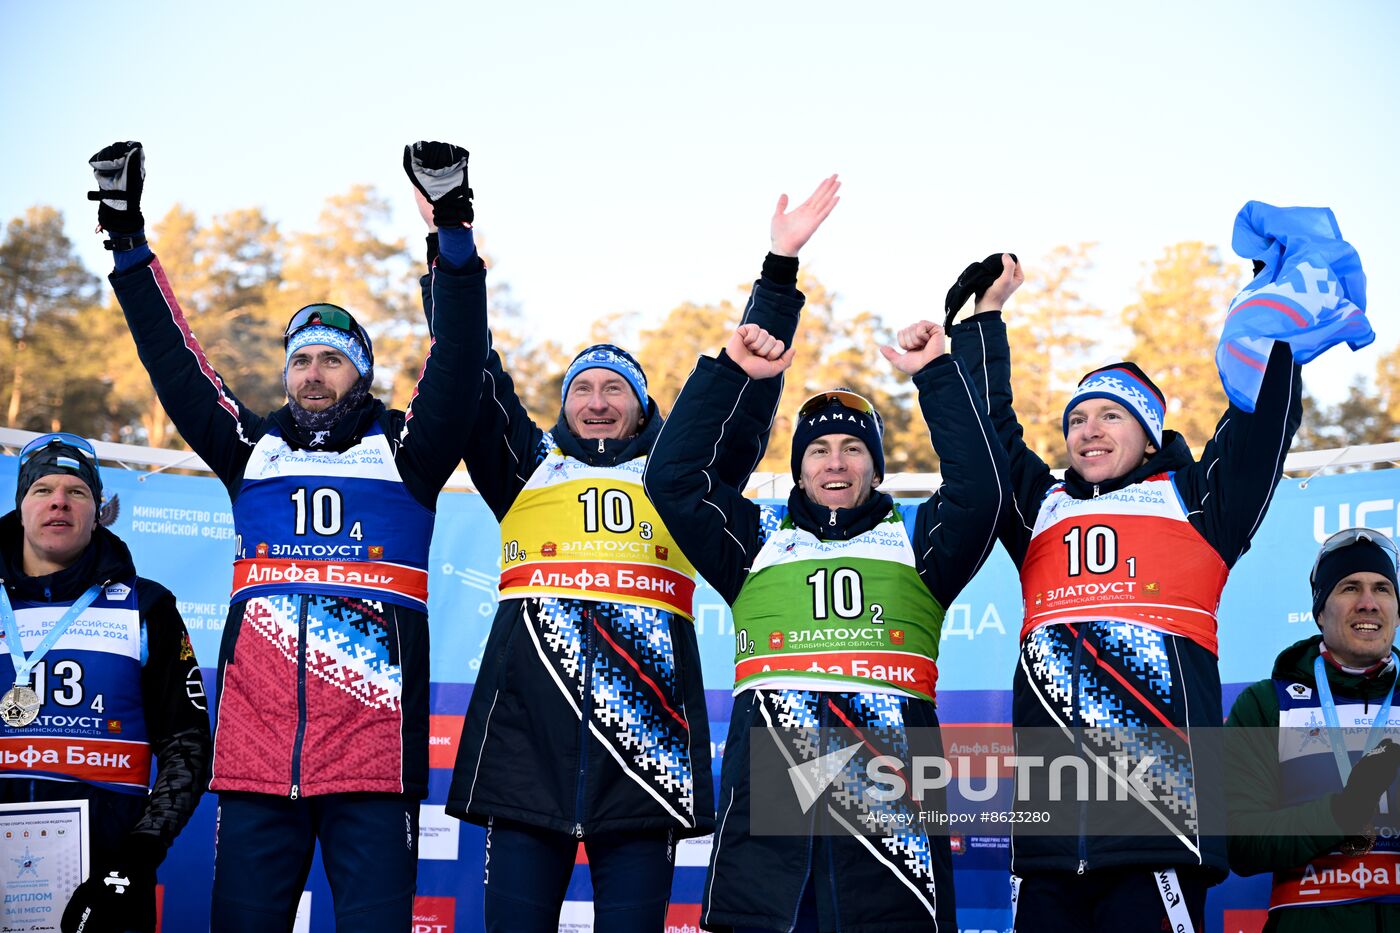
pixel 19 706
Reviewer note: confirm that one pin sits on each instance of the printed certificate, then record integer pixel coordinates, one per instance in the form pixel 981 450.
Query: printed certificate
pixel 44 851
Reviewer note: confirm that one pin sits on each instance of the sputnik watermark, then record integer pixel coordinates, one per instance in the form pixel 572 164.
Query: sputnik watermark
pixel 1096 777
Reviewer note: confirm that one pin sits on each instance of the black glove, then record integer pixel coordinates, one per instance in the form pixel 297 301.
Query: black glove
pixel 439 170
pixel 1355 806
pixel 975 280
pixel 120 893
pixel 121 173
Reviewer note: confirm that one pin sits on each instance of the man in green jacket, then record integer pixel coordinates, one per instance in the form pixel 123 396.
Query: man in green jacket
pixel 1311 778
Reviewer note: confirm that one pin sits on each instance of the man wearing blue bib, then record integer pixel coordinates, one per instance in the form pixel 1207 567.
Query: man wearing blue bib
pixel 1312 777
pixel 99 679
pixel 322 725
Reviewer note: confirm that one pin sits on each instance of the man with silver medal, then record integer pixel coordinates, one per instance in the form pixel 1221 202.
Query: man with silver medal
pixel 105 685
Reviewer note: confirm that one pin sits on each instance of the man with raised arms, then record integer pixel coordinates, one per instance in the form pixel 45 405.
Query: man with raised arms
pixel 838 599
pixel 322 725
pixel 1122 563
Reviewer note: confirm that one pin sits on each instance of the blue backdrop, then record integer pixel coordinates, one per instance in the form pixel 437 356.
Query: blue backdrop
pixel 181 533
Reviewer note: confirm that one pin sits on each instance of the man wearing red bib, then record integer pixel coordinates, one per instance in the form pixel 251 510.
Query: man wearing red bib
pixel 1312 767
pixel 1122 564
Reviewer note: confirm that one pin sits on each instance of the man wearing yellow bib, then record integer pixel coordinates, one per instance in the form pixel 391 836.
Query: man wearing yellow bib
pixel 838 599
pixel 587 721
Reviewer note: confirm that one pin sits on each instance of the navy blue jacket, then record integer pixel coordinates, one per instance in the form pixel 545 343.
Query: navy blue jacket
pixel 1152 684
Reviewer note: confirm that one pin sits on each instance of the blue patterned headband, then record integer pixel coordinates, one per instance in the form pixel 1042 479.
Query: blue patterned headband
pixel 606 356
pixel 1129 386
pixel 336 339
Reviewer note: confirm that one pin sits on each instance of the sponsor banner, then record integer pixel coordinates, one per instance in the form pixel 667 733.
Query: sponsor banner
pixel 694 852
pixel 434 915
pixel 443 734
pixel 1335 879
pixel 369 577
pixel 437 832
pixel 911 672
pixel 644 584
pixel 105 761
pixel 1244 921
pixel 576 917
pixel 683 918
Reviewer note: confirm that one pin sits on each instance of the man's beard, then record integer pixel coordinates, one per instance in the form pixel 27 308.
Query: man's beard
pixel 312 422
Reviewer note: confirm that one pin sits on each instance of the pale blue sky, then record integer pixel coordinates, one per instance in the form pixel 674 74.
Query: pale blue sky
pixel 626 156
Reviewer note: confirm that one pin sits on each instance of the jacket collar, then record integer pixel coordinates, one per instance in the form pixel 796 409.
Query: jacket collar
pixel 1174 455
pixel 344 434
pixel 837 524
pixel 106 558
pixel 608 452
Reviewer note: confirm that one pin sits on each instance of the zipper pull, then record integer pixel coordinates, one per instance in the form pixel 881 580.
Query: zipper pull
pixel 600 445
pixel 578 830
pixel 832 522
pixel 296 790
pixel 1082 863
pixel 1096 495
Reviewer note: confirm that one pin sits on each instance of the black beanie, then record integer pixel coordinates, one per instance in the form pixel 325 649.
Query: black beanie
pixel 837 418
pixel 58 457
pixel 1361 556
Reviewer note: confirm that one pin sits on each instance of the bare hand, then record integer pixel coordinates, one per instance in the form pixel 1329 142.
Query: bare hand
pixel 791 231
pixel 922 343
pixel 1000 291
pixel 759 353
pixel 425 209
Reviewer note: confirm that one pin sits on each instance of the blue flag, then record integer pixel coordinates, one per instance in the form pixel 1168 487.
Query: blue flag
pixel 1311 294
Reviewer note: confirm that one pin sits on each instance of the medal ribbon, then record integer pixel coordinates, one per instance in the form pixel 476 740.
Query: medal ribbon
pixel 23 665
pixel 1329 716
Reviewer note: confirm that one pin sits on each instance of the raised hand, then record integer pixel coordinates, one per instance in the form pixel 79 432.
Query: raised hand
pixel 439 172
pixel 790 230
pixel 921 343
pixel 120 170
pixel 759 353
pixel 1000 291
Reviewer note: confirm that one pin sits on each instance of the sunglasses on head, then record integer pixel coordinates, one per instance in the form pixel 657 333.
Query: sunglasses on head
pixel 1347 538
pixel 61 437
pixel 844 397
pixel 329 315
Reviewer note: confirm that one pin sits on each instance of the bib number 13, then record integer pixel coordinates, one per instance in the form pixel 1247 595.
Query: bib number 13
pixel 1094 550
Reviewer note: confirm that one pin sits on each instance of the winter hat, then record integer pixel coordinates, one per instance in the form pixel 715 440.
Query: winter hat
pixel 615 359
pixel 838 411
pixel 332 326
pixel 58 453
pixel 1355 550
pixel 1129 386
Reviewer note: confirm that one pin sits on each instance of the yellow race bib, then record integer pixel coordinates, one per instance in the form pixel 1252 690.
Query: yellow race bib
pixel 591 533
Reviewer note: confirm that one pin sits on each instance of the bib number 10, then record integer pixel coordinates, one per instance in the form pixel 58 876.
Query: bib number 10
pixel 612 510
pixel 1094 550
pixel 322 511
pixel 839 593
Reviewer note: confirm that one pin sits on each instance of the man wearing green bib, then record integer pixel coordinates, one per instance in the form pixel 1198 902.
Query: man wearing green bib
pixel 838 599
